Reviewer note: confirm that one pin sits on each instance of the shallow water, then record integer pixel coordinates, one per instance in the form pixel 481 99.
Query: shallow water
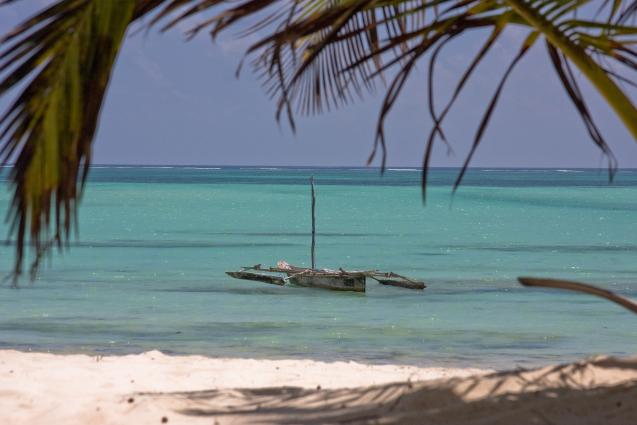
pixel 148 269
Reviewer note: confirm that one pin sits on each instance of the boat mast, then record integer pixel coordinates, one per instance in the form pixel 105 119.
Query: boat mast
pixel 313 223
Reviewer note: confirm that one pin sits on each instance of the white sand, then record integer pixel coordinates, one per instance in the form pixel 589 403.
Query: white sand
pixel 38 388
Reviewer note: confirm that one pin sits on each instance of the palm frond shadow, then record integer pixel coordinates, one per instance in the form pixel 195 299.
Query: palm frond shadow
pixel 602 389
pixel 523 396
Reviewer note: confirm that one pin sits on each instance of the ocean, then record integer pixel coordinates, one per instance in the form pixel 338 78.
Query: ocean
pixel 147 270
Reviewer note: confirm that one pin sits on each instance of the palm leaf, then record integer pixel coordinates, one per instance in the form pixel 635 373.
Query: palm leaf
pixel 315 55
pixel 326 53
pixel 64 56
pixel 579 287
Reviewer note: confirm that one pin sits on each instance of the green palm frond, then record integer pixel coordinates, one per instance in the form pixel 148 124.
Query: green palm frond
pixel 312 55
pixel 321 54
pixel 63 56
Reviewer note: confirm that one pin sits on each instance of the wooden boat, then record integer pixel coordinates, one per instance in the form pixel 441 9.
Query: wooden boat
pixel 338 280
pixel 334 281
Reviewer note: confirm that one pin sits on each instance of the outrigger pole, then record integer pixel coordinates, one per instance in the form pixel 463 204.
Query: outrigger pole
pixel 313 224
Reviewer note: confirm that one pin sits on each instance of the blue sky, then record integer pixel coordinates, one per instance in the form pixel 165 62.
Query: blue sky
pixel 178 102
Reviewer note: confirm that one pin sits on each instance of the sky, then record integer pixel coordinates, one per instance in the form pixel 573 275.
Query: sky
pixel 177 102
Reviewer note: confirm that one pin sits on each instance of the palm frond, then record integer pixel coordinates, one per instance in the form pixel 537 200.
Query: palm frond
pixel 324 54
pixel 63 58
pixel 312 55
pixel 569 285
pixel 494 100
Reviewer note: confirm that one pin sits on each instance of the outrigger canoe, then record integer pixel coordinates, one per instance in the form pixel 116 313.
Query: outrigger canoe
pixel 338 280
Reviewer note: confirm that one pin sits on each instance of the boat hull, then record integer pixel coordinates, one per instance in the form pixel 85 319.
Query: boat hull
pixel 333 282
pixel 274 280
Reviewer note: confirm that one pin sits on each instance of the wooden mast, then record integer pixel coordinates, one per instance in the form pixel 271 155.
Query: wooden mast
pixel 313 223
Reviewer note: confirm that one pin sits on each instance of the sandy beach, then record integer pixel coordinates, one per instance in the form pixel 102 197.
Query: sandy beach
pixel 201 226
pixel 40 388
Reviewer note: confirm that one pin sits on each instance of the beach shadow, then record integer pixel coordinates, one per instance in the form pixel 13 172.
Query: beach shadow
pixel 602 390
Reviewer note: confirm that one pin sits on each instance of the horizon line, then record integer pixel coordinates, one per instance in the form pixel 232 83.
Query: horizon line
pixel 357 167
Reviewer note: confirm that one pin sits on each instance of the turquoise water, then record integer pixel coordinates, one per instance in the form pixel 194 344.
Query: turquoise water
pixel 148 269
